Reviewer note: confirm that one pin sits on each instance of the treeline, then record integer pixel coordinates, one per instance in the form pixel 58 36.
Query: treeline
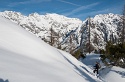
pixel 114 54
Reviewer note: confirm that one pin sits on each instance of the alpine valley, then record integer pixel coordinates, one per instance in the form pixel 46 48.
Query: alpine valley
pixel 70 34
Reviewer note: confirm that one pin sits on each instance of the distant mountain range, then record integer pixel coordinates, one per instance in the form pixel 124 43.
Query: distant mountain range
pixel 70 33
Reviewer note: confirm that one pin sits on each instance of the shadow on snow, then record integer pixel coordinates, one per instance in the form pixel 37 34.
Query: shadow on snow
pixel 122 73
pixel 80 71
pixel 1 80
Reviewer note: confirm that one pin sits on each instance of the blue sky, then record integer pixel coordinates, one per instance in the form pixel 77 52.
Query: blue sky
pixel 71 8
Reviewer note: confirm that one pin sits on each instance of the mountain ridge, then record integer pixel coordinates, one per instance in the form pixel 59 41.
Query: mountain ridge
pixel 104 27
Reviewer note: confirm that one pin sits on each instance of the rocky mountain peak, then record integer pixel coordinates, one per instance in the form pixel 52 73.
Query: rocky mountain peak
pixel 71 32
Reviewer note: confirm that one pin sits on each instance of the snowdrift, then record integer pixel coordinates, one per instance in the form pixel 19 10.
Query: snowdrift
pixel 25 58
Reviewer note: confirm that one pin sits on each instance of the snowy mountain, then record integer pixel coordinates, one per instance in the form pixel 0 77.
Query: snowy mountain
pixel 41 25
pixel 69 33
pixel 103 27
pixel 25 58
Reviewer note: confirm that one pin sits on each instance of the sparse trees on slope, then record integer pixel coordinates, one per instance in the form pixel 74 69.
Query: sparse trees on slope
pixel 115 52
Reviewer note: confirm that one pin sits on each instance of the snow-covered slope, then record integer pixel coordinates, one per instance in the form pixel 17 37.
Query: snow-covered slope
pixel 106 73
pixel 114 74
pixel 25 58
pixel 40 25
pixel 70 33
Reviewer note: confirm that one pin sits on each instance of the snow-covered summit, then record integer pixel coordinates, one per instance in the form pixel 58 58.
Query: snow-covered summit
pixel 104 27
pixel 12 15
pixel 40 25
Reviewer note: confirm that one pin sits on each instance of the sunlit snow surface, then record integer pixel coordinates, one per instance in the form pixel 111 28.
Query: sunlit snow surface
pixel 106 74
pixel 25 58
